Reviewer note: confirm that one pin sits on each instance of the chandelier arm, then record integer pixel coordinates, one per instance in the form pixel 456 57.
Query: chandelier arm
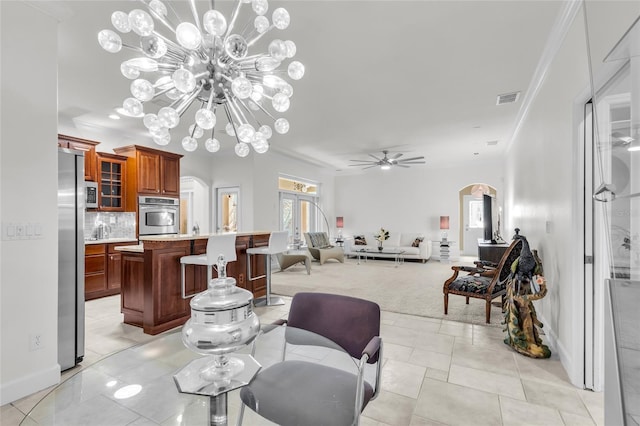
pixel 235 105
pixel 182 108
pixel 194 11
pixel 175 14
pixel 233 18
pixel 265 111
pixel 244 30
pixel 134 48
pixel 235 131
pixel 259 36
pixel 231 107
pixel 246 108
pixel 162 92
pixel 176 46
pixel 164 21
pixel 211 93
pixel 166 67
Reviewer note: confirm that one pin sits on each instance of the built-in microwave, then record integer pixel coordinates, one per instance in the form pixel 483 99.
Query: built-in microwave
pixel 158 215
pixel 91 195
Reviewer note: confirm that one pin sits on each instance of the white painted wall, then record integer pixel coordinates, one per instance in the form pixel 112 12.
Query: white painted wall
pixel 267 169
pixel 543 175
pixel 28 166
pixel 410 200
pixel 257 176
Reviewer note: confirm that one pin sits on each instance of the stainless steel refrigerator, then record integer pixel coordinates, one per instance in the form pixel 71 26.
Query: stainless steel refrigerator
pixel 71 207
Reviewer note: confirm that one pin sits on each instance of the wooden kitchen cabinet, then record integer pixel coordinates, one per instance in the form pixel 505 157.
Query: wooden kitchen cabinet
pixel 154 172
pixel 112 182
pixel 103 270
pixel 95 272
pixel 89 148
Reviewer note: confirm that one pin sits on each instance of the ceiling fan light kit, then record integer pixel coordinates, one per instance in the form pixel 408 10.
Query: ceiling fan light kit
pixel 206 62
pixel 386 162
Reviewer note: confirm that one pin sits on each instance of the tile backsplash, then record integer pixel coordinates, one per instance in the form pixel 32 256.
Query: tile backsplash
pixel 118 225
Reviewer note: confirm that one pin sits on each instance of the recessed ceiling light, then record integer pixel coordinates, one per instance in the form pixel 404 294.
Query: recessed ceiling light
pixel 114 116
pixel 476 153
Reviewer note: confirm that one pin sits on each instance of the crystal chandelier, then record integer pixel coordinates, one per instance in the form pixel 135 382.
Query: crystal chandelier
pixel 209 65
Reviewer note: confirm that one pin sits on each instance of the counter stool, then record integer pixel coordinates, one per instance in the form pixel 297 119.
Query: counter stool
pixel 223 244
pixel 278 242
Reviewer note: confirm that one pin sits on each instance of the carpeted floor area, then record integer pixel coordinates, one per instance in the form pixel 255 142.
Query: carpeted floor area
pixel 412 288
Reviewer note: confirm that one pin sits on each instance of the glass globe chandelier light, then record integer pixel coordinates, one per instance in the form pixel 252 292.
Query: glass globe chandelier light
pixel 208 63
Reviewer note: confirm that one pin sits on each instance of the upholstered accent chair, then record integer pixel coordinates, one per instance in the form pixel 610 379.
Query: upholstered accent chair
pixel 486 280
pixel 321 249
pixel 286 260
pixel 294 392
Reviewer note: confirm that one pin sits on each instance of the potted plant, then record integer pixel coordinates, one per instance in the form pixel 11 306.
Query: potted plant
pixel 381 236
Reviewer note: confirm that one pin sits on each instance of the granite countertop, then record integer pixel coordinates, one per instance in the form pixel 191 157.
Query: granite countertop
pixel 187 237
pixel 139 248
pixel 111 241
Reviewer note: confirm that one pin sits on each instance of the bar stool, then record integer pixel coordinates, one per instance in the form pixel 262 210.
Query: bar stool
pixel 224 244
pixel 278 242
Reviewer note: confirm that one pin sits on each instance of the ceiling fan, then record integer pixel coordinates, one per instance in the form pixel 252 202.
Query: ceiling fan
pixel 386 162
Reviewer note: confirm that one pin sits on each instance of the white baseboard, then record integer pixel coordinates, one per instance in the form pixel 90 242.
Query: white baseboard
pixel 29 384
pixel 573 371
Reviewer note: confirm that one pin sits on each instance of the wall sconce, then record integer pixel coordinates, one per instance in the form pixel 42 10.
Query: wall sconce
pixel 339 225
pixel 444 225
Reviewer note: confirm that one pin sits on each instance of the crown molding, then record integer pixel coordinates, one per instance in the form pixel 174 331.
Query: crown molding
pixel 560 29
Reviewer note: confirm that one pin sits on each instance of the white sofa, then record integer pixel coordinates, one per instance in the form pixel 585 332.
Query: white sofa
pixel 403 241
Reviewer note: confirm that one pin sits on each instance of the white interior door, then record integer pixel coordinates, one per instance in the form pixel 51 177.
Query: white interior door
pixel 472 222
pixel 228 209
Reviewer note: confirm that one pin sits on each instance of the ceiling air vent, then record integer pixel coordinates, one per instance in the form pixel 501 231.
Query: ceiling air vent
pixel 508 98
pixel 491 143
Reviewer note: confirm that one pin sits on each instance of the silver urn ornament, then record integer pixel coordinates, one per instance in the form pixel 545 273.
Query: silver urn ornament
pixel 222 321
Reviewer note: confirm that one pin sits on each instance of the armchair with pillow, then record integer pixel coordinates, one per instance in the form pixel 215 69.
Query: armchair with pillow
pixel 321 249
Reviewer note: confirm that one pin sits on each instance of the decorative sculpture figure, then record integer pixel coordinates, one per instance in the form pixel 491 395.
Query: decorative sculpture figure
pixel 526 284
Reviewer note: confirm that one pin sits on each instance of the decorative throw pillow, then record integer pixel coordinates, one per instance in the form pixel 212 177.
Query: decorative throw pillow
pixel 359 240
pixel 417 241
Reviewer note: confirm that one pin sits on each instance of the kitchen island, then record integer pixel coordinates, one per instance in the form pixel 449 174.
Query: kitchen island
pixel 151 296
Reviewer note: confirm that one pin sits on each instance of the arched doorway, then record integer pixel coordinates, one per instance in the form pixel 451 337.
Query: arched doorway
pixel 471 216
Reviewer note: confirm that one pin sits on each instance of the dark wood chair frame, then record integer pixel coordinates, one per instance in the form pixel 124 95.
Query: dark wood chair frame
pixel 497 272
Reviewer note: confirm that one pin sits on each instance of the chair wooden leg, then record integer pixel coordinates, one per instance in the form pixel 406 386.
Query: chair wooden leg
pixel 467 300
pixel 488 311
pixel 446 303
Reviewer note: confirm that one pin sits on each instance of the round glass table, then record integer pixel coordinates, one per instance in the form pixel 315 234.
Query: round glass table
pixel 138 386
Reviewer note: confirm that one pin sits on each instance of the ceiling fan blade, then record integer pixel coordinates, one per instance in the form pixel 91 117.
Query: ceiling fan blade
pixel 365 168
pixel 412 162
pixel 402 165
pixel 398 155
pixel 377 159
pixel 412 158
pixel 364 161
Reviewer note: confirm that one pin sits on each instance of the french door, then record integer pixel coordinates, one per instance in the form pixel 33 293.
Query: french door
pixel 297 215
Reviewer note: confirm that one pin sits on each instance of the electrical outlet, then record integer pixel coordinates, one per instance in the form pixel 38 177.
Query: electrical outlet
pixel 35 342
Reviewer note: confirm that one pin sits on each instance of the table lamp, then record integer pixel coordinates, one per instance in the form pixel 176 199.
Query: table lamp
pixel 340 225
pixel 444 225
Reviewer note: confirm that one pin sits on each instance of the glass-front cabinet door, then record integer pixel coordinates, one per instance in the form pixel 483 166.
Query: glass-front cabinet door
pixel 111 182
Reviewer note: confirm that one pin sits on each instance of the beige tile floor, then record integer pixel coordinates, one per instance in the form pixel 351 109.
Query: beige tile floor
pixel 436 372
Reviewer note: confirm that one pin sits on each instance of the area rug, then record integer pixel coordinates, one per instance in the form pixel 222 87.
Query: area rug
pixel 411 288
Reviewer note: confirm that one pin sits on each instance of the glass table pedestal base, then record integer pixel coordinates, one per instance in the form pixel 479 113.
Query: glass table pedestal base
pixel 189 380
